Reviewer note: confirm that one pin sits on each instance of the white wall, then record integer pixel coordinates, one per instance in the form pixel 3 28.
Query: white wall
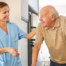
pixel 24 8
pixel 34 4
pixel 15 16
pixel 24 42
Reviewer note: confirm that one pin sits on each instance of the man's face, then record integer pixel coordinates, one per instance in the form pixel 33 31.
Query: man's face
pixel 4 14
pixel 45 18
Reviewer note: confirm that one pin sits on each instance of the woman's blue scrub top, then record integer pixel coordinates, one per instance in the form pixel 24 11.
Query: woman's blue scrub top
pixel 10 39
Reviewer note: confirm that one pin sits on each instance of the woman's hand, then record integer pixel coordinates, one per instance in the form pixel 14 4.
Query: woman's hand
pixel 13 51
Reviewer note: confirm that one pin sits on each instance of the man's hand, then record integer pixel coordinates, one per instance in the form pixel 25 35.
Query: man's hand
pixel 13 51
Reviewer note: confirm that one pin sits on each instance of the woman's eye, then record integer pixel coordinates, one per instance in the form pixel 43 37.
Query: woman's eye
pixel 4 13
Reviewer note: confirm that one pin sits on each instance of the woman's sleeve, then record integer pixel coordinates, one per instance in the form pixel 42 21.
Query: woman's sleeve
pixel 21 33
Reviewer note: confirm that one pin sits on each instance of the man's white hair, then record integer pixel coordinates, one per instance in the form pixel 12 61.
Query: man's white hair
pixel 53 11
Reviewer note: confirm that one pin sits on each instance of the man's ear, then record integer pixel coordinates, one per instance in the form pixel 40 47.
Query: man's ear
pixel 53 17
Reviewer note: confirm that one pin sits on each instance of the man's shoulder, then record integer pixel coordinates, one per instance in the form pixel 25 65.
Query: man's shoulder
pixel 62 17
pixel 62 20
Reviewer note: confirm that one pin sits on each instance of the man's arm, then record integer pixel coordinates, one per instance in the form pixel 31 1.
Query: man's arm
pixel 35 54
pixel 38 42
pixel 31 34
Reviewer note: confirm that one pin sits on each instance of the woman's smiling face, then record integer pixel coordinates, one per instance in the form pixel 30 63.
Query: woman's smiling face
pixel 4 14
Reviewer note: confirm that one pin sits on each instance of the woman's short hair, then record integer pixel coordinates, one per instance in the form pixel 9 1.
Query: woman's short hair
pixel 2 4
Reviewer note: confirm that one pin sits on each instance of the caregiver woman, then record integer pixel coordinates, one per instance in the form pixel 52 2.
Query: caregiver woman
pixel 10 33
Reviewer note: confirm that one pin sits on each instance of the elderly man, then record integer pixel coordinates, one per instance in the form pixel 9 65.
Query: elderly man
pixel 52 29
